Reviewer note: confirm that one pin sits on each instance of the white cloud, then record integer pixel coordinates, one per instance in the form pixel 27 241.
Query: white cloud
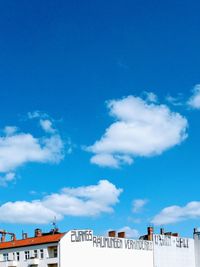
pixel 194 101
pixel 138 204
pixel 174 214
pixel 27 212
pixel 45 121
pixel 22 148
pixel 141 129
pixel 82 201
pixel 5 179
pixel 18 148
pixel 175 101
pixel 10 130
pixel 37 114
pixel 151 97
pixel 130 232
pixel 108 160
pixel 47 126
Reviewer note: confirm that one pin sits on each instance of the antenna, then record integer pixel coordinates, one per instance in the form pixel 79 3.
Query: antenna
pixel 54 224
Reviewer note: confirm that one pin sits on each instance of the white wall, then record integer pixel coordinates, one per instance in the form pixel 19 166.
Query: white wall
pixel 173 251
pixel 197 248
pixel 24 263
pixel 82 248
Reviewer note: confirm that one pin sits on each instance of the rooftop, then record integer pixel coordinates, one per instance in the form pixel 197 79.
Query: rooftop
pixel 43 239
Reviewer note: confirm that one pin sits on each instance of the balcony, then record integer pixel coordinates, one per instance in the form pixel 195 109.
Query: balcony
pixel 12 263
pixel 33 261
pixel 53 252
pixel 52 261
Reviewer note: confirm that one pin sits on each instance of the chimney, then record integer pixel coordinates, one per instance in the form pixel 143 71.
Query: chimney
pixel 112 233
pixel 13 237
pixel 175 234
pixel 3 238
pixel 168 233
pixel 38 232
pixel 150 233
pixel 24 235
pixel 122 235
pixel 196 231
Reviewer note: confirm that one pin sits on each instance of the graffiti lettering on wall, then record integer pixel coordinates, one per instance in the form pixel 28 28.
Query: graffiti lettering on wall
pixel 110 242
pixel 165 240
pixel 182 242
pixel 107 242
pixel 81 236
pixel 162 240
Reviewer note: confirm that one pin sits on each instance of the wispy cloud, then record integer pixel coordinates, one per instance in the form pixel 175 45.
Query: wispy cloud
pixel 7 178
pixel 175 101
pixel 150 97
pixel 45 121
pixel 174 214
pixel 194 101
pixel 141 129
pixel 138 205
pixel 90 200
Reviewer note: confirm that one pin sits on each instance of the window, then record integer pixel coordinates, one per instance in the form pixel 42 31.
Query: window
pixel 17 256
pixel 41 253
pixel 35 254
pixel 27 255
pixel 55 252
pixel 5 256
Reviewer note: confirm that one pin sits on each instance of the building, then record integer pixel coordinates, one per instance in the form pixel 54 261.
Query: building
pixel 40 250
pixel 83 248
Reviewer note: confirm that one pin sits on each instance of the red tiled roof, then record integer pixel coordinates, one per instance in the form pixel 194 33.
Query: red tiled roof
pixel 31 241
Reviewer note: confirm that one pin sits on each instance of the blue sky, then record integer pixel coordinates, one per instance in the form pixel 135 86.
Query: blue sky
pixel 99 91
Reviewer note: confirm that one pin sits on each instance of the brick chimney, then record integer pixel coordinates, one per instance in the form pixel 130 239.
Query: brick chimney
pixel 122 235
pixel 150 233
pixel 24 235
pixel 38 232
pixel 13 238
pixel 112 233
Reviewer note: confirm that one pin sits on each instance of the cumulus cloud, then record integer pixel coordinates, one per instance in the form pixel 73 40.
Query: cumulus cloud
pixel 130 232
pixel 141 129
pixel 18 147
pixel 174 214
pixel 138 204
pixel 90 200
pixel 194 101
pixel 21 148
pixel 27 212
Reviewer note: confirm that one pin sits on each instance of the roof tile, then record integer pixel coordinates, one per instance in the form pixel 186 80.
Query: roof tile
pixel 31 241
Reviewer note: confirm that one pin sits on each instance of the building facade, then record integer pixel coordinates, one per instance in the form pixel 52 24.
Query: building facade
pixel 83 248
